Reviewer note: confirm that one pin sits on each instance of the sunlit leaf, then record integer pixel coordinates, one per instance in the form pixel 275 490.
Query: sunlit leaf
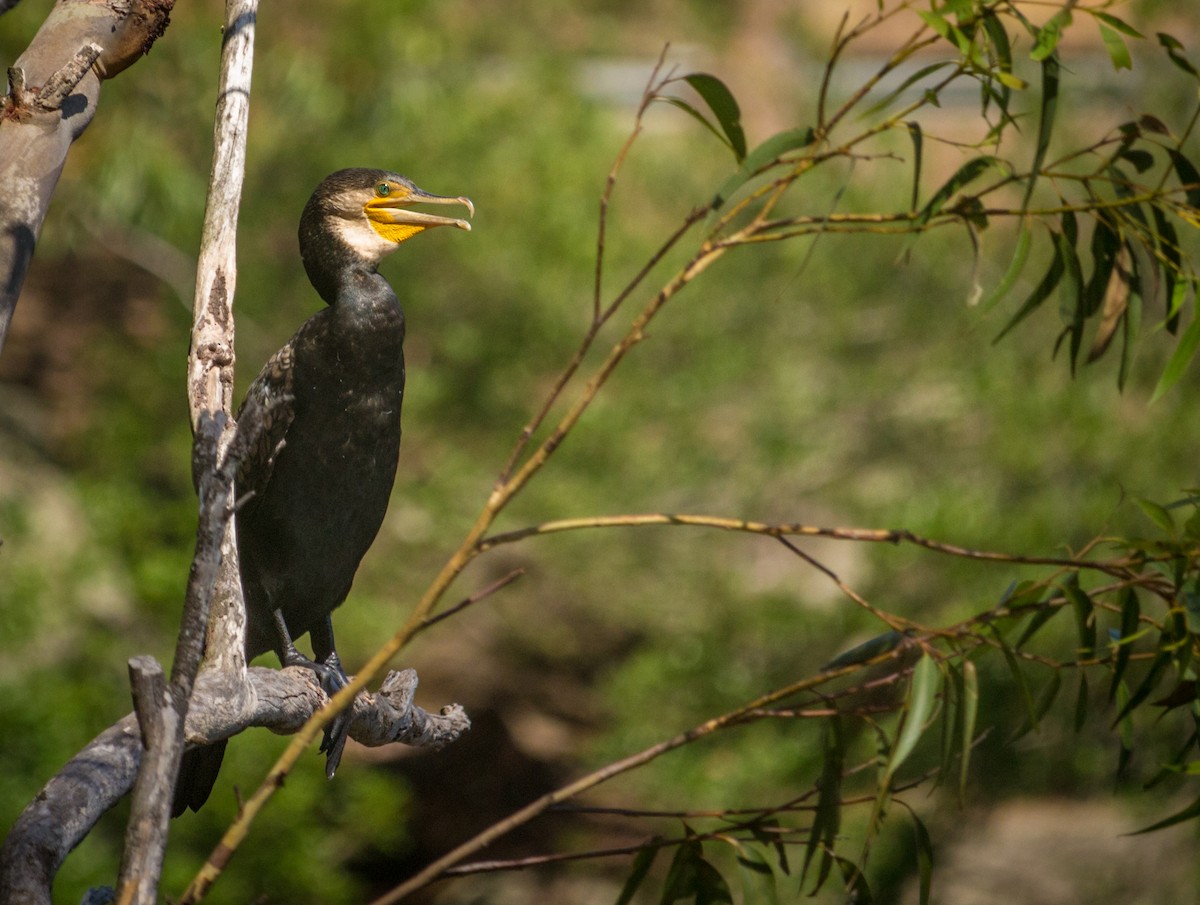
pixel 1013 271
pixel 1050 34
pixel 1118 52
pixel 1185 351
pixel 922 692
pixel 1118 24
pixel 724 106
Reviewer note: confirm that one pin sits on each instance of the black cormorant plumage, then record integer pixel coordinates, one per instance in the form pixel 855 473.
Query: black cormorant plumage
pixel 317 485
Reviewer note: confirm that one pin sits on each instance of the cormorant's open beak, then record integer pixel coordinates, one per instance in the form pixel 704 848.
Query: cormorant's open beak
pixel 394 210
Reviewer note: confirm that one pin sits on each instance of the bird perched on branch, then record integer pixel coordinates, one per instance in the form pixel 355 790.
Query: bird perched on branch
pixel 317 485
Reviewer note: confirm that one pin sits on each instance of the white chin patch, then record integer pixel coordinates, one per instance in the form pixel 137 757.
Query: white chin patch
pixel 362 238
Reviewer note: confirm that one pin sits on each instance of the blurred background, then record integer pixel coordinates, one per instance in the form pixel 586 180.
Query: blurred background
pixel 830 385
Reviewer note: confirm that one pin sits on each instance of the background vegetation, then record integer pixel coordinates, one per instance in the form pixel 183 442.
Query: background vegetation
pixel 843 383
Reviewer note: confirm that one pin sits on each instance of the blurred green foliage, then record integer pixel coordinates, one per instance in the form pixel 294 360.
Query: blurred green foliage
pixel 829 385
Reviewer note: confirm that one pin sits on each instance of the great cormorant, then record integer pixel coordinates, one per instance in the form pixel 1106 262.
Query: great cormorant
pixel 316 487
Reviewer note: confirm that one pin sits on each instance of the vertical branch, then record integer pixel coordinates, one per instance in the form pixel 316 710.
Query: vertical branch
pixel 162 710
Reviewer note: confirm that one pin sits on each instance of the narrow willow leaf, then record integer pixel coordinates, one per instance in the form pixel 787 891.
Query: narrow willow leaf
pixel 1046 116
pixel 1041 292
pixel 1157 513
pixel 1015 266
pixel 1188 176
pixel 767 833
pixel 1191 812
pixel 865 652
pixel 637 873
pixel 1041 705
pixel 1081 702
pixel 1167 242
pixel 857 890
pixel 1174 50
pixel 1085 616
pixel 711 888
pixel 1071 290
pixel 1177 364
pixel 724 107
pixel 964 176
pixel 827 818
pixel 1015 668
pixel 914 133
pixel 888 99
pixel 1040 618
pixel 761 158
pixel 951 719
pixel 924 859
pixel 970 710
pixel 757 875
pixel 1118 52
pixel 1106 241
pixel 1146 686
pixel 1130 612
pixel 1050 34
pixel 1124 733
pixel 1118 24
pixel 698 116
pixel 922 692
pixel 681 882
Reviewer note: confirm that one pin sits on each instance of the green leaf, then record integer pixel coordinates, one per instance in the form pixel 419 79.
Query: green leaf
pixel 1177 364
pixel 891 96
pixel 970 710
pixel 724 106
pixel 1047 112
pixel 1015 266
pixel 1050 34
pixel 1081 702
pixel 1188 176
pixel 1174 50
pixel 1118 24
pixel 637 873
pixel 1085 617
pixel 1040 618
pixel 1041 706
pixel 1118 52
pixel 857 890
pixel 1167 241
pixel 914 132
pixel 1146 686
pixel 1042 291
pixel 865 652
pixel 1191 812
pixel 761 158
pixel 924 859
pixel 922 692
pixel 828 815
pixel 758 876
pixel 681 882
pixel 1015 668
pixel 1130 613
pixel 1157 513
pixel 711 888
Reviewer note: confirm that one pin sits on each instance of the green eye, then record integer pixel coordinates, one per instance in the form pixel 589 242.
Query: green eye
pixel 383 189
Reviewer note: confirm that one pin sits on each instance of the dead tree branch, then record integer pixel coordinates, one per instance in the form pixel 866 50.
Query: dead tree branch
pixel 53 90
pixel 69 805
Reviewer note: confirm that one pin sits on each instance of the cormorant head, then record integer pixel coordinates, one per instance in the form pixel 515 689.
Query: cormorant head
pixel 357 216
